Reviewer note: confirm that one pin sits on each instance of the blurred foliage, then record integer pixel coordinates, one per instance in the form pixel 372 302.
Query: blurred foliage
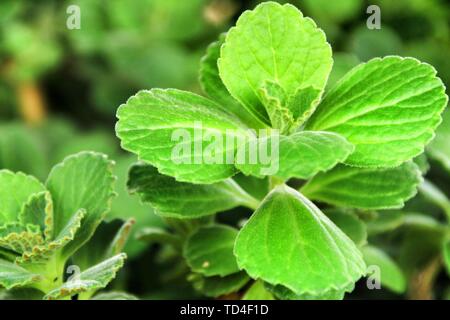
pixel 60 88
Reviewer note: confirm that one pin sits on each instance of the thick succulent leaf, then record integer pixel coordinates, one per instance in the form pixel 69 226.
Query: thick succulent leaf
pixel 349 222
pixel 273 42
pixel 258 291
pixel 38 210
pixel 81 181
pixel 391 276
pixel 439 148
pixel 42 252
pixel 173 129
pixel 209 251
pixel 300 155
pixel 15 190
pixel 218 286
pixel 12 275
pixel 94 278
pixel 365 188
pixel 388 108
pixel 213 86
pixel 185 200
pixel 318 256
pixel 284 293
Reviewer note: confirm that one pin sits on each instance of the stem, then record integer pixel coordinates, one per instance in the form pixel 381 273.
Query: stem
pixel 245 199
pixel 436 196
pixel 274 181
pixel 422 282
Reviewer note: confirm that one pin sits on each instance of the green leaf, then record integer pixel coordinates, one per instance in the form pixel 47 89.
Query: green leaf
pixel 318 256
pixel 209 251
pixel 300 155
pixel 81 181
pixel 213 86
pixel 302 104
pixel 274 99
pixel 114 295
pixel 178 142
pixel 19 238
pixel 94 278
pixel 284 293
pixel 439 148
pixel 388 108
pixel 273 43
pixel 40 252
pixel 391 275
pixel 12 275
pixel 39 211
pixel 184 200
pixel 219 286
pixel 15 190
pixel 349 222
pixel 365 188
pixel 258 292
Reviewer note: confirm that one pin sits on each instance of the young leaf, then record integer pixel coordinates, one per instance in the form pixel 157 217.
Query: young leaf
pixel 258 291
pixel 300 155
pixel 94 278
pixel 317 256
pixel 209 251
pixel 19 239
pixel 218 286
pixel 12 275
pixel 388 108
pixel 274 99
pixel 273 42
pixel 16 189
pixel 38 211
pixel 81 181
pixel 391 275
pixel 365 188
pixel 184 200
pixel 40 252
pixel 213 86
pixel 177 142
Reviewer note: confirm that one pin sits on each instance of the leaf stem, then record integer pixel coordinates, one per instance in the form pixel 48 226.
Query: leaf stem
pixel 244 197
pixel 436 196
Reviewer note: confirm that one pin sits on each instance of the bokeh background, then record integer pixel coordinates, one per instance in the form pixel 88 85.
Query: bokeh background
pixel 60 88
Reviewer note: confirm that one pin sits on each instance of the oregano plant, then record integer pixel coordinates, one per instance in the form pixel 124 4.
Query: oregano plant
pixel 46 230
pixel 309 163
